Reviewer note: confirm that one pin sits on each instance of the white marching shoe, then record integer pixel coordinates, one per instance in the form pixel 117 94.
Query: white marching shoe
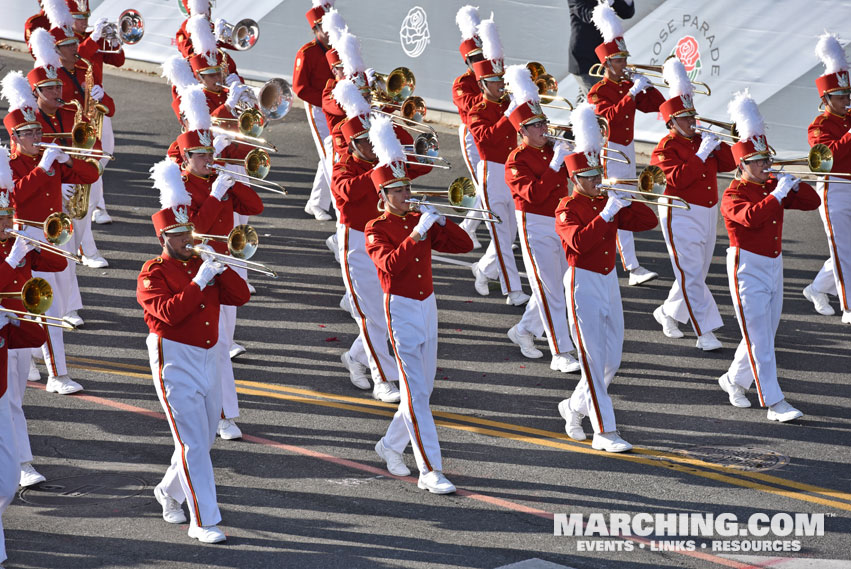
pixel 63 385
pixel 783 412
pixel 34 374
pixel 610 442
pixel 318 213
pixel 29 475
pixel 172 510
pixel 96 262
pixel 207 534
pixel 393 459
pixel 641 275
pixel 331 243
pixel 670 328
pixel 819 300
pixel 101 217
pixel 436 483
pixel 236 350
pixel 73 319
pixel 735 391
pixel 846 317
pixel 708 342
pixel 228 430
pixel 358 373
pixel 565 363
pixel 572 421
pixel 481 284
pixel 517 298
pixel 387 392
pixel 526 343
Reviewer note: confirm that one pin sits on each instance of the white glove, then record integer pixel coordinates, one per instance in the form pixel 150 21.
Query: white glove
pixel 203 251
pixel 221 185
pixel 221 142
pixel 20 248
pixel 370 75
pixel 561 150
pixel 236 93
pixel 614 205
pixel 441 219
pixel 97 33
pixel 97 93
pixel 49 157
pixel 708 143
pixel 67 191
pixel 511 106
pixel 5 318
pixel 206 272
pixel 640 83
pixel 232 80
pixel 784 186
pixel 219 27
pixel 426 221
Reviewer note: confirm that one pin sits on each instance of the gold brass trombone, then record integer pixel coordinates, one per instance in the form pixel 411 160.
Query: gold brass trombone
pixel 732 134
pixel 819 160
pixel 47 247
pixel 242 241
pixel 253 181
pixel 256 163
pixel 556 132
pixel 250 122
pixel 239 138
pixel 36 295
pixel 77 151
pixel 654 71
pixel 58 227
pixel 457 193
pixel 234 262
pixel 393 87
pixel 461 193
pixel 650 186
pixel 547 87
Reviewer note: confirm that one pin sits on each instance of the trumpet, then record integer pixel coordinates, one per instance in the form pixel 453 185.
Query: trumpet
pixel 37 296
pixel 256 163
pixel 252 181
pixel 654 71
pixel 239 138
pixel 234 261
pixel 58 227
pixel 77 151
pixel 393 87
pixel 129 30
pixel 242 241
pixel 241 35
pixel 650 186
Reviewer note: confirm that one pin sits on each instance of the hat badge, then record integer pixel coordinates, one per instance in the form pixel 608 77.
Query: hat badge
pixel 593 159
pixel 621 44
pixel 50 71
pixel 29 114
pixel 180 214
pixel 398 169
pixel 4 200
pixel 688 101
pixel 477 40
pixel 497 65
pixel 364 121
pixel 210 56
pixel 205 138
pixel 81 5
pixel 68 31
pixel 842 79
pixel 535 107
pixel 759 143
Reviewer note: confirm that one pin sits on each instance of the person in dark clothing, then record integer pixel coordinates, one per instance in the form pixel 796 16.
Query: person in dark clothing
pixel 584 37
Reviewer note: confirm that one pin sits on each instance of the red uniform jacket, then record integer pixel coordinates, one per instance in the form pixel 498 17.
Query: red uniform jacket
pixel 215 217
pixel 613 103
pixel 38 193
pixel 688 177
pixel 754 218
pixel 466 93
pixel 334 113
pixel 215 103
pixel 404 265
pixel 234 149
pixel 14 278
pixel 535 187
pixel 72 89
pixel 15 336
pixel 493 134
pixel 354 191
pixel 311 73
pixel 177 309
pixel 588 240
pixel 833 130
pixel 184 45
pixel 90 50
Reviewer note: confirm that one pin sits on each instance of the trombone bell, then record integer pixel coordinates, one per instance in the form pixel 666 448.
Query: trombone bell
pixel 242 241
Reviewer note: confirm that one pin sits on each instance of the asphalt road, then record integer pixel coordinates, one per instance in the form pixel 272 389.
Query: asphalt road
pixel 305 489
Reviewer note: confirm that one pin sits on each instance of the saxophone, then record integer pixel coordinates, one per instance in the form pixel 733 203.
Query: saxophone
pixel 93 111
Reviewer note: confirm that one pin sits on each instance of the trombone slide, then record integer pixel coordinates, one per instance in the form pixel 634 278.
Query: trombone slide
pixel 246 140
pixel 252 181
pixel 76 151
pixel 234 262
pixel 18 314
pixel 494 218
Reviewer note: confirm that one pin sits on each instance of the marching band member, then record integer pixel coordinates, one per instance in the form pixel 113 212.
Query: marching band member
pixel 40 180
pixel 73 72
pixel 465 94
pixel 354 194
pixel 617 98
pixel 752 207
pixel 37 20
pixel 537 177
pixel 310 74
pixel 21 259
pixel 215 198
pixel 400 243
pixel 587 223
pixel 833 128
pixel 495 139
pixel 691 163
pixel 181 295
pixel 183 39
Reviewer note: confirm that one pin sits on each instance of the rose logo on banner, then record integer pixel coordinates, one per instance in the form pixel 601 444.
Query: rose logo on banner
pixel 687 50
pixel 414 34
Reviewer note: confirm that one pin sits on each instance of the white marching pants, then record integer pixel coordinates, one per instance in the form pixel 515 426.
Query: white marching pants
pixel 320 192
pixel 364 289
pixel 187 384
pixel 756 285
pixel 690 238
pixel 471 160
pixel 546 264
pixel 18 368
pixel 107 141
pixel 238 218
pixel 835 211
pixel 84 239
pixel 227 325
pixel 10 469
pixel 626 239
pixel 413 332
pixel 596 321
pixel 498 260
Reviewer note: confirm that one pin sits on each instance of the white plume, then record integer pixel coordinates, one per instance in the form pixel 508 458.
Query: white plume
pixel 178 72
pixel 350 98
pixel 586 130
pixel 348 47
pixel 744 111
pixel 607 21
pixel 323 3
pixel 491 45
pixel 831 54
pixel 16 89
pixel 43 48
pixel 387 147
pixel 468 21
pixel 518 80
pixel 674 74
pixel 6 181
pixel 58 13
pixel 167 179
pixel 203 40
pixel 198 7
pixel 333 25
pixel 193 107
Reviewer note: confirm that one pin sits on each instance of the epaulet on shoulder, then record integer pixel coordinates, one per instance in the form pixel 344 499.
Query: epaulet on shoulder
pixel 372 222
pixel 820 119
pixel 307 46
pixel 565 200
pixel 149 264
pixel 514 152
pixel 668 138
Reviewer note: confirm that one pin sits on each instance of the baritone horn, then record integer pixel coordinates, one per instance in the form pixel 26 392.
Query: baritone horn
pixel 650 186
pixel 241 35
pixel 275 99
pixel 129 30
pixel 242 241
